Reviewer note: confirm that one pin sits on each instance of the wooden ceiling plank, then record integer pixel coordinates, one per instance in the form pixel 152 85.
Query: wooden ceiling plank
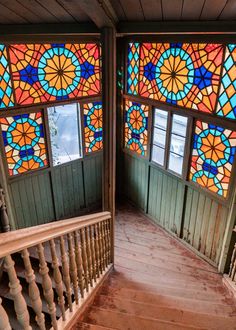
pixel 229 11
pixel 192 9
pixel 96 13
pixel 152 9
pixel 118 9
pixel 13 17
pixel 74 9
pixel 57 10
pixel 19 8
pixel 212 9
pixel 40 11
pixel 133 10
pixel 172 9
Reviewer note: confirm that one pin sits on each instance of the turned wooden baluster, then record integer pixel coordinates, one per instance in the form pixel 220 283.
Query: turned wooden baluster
pixel 57 278
pixel 4 320
pixel 16 292
pixel 84 258
pixel 108 230
pixel 232 270
pixel 93 253
pixel 73 268
pixel 79 262
pixel 101 246
pixel 104 243
pixel 34 293
pixel 47 285
pixel 97 251
pixel 89 256
pixel 66 272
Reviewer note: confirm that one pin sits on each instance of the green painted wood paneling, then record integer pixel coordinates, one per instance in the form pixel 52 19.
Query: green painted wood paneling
pixel 204 224
pixel 135 180
pixel 92 167
pixel 68 191
pixel 165 200
pixel 32 200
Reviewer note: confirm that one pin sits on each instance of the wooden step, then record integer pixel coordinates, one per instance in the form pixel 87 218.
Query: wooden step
pixel 87 326
pixel 123 321
pixel 175 315
pixel 205 294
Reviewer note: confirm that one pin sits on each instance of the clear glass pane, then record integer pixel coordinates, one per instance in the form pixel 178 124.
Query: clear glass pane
pixel 179 125
pixel 160 119
pixel 159 137
pixel 158 155
pixel 64 134
pixel 177 144
pixel 175 163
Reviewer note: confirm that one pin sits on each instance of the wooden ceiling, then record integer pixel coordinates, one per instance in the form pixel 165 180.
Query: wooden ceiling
pixel 111 12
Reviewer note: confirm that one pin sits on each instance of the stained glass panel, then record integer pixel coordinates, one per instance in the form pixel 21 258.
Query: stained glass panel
pixel 182 74
pixel 93 130
pixel 133 68
pixel 6 95
pixel 136 127
pixel 227 98
pixel 212 157
pixel 24 143
pixel 51 72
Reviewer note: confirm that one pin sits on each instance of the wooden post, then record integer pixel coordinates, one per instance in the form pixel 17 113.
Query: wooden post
pixel 4 320
pixel 109 122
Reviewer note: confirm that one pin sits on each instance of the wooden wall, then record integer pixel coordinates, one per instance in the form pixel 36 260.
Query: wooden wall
pixel 182 210
pixel 67 190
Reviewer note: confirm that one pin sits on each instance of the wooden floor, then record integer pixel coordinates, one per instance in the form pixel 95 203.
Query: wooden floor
pixel 158 284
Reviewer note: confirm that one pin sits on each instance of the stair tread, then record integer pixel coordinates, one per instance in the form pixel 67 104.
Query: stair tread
pixel 202 293
pixel 174 314
pixel 86 326
pixel 125 321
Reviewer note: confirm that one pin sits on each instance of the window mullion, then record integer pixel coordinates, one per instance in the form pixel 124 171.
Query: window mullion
pixel 168 139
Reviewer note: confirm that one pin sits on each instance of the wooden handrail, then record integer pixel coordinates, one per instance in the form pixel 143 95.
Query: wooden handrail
pixel 74 256
pixel 21 239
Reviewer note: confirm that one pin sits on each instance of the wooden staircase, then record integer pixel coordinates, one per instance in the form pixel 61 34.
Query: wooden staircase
pixel 158 285
pixel 52 271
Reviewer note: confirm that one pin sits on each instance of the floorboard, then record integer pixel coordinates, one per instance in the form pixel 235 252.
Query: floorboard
pixel 158 284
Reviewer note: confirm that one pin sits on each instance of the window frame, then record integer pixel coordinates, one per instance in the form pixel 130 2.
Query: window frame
pixel 10 112
pixel 165 166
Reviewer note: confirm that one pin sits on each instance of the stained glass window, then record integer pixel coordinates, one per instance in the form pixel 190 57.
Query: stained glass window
pixel 133 68
pixel 51 72
pixel 65 128
pixel 136 127
pixel 227 97
pixel 212 157
pixel 93 129
pixel 182 74
pixel 24 143
pixel 6 95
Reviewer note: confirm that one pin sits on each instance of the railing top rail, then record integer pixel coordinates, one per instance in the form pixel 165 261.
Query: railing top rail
pixel 18 240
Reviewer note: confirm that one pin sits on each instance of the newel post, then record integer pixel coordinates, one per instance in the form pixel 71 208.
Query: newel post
pixel 109 122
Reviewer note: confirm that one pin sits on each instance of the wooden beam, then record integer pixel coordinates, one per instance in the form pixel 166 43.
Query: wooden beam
pixel 100 12
pixel 184 27
pixel 109 121
pixel 24 30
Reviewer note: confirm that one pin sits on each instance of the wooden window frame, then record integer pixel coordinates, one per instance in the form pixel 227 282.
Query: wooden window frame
pixel 165 166
pixel 31 108
pixel 192 114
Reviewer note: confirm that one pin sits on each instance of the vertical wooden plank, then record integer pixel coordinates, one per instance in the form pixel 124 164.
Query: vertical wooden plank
pixel 193 215
pixel 179 208
pixel 211 228
pixel 159 196
pixel 163 200
pixel 205 224
pixel 187 216
pixel 219 235
pixel 198 223
pixel 172 204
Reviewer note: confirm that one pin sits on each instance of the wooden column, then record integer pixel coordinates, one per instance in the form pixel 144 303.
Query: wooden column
pixel 109 121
